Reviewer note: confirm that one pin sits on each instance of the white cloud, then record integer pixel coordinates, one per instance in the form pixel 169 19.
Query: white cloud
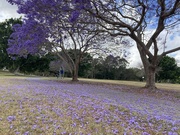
pixel 8 11
pixel 134 57
pixel 177 58
pixel 172 41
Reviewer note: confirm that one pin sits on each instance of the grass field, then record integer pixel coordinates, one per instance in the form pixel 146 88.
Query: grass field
pixel 163 86
pixel 37 106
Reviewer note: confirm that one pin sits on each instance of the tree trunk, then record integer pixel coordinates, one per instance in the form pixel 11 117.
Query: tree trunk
pixel 149 65
pixel 150 72
pixel 150 77
pixel 17 70
pixel 75 76
pixel 75 72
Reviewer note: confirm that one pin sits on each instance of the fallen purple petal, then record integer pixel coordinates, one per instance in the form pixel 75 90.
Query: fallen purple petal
pixel 40 106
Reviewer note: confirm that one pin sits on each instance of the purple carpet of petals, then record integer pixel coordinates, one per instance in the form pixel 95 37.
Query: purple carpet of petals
pixel 42 107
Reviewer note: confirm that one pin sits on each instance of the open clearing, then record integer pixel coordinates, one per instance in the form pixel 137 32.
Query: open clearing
pixel 31 105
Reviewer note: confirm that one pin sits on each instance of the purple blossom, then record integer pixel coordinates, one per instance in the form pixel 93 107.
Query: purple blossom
pixel 39 24
pixel 26 133
pixel 11 118
pixel 11 126
pixel 172 133
pixel 74 16
pixel 145 133
pixel 63 133
pixel 34 126
pixel 25 39
pixel 76 101
pixel 115 131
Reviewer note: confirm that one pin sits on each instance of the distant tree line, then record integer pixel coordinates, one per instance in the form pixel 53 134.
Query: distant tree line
pixel 110 67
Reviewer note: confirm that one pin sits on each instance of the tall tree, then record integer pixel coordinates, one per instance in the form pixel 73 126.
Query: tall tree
pixel 111 67
pixel 168 69
pixel 133 18
pixel 5 32
pixel 53 29
pixel 33 64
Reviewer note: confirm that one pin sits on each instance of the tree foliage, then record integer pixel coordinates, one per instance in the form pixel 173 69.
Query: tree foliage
pixel 5 32
pixel 169 71
pixel 33 64
pixel 110 67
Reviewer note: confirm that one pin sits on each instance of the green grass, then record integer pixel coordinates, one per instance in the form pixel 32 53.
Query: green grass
pixel 163 86
pixel 5 73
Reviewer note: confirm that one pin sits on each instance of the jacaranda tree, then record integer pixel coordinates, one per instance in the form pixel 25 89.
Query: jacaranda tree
pixel 51 25
pixel 144 21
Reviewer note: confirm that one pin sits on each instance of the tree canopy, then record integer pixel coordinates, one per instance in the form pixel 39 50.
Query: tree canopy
pixel 5 32
pixel 169 71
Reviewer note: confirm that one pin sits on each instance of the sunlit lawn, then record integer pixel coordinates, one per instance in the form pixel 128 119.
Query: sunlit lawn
pixel 31 108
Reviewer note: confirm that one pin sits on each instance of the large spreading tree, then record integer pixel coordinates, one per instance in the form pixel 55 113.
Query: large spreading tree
pixel 143 21
pixel 50 26
pixel 40 32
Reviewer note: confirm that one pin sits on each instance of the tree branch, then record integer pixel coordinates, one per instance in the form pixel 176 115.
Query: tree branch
pixel 170 51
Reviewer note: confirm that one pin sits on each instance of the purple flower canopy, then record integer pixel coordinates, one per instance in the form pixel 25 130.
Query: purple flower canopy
pixel 41 18
pixel 27 38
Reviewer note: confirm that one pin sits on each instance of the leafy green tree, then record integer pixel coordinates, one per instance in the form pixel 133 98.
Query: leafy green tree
pixel 178 75
pixel 97 68
pixel 85 66
pixel 132 74
pixel 5 32
pixel 110 68
pixel 169 71
pixel 34 63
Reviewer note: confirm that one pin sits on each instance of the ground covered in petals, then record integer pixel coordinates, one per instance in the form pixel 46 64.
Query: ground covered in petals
pixel 32 106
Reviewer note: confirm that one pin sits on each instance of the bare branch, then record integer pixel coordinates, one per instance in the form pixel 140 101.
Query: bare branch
pixel 170 51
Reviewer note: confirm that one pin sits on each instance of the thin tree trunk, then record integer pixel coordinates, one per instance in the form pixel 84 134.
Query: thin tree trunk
pixel 75 76
pixel 17 70
pixel 75 72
